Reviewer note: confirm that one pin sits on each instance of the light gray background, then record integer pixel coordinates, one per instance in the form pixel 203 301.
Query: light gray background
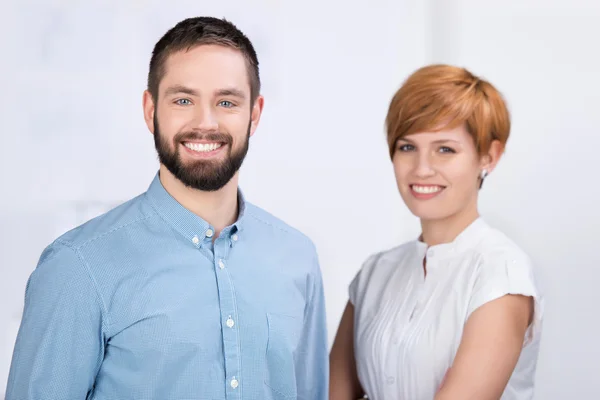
pixel 73 140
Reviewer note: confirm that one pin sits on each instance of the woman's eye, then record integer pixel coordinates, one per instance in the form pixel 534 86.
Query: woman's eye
pixel 406 147
pixel 444 149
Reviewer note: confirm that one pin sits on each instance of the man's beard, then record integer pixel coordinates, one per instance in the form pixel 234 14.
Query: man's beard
pixel 205 175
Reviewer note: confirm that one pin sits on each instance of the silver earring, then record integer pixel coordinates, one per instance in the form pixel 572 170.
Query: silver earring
pixel 484 174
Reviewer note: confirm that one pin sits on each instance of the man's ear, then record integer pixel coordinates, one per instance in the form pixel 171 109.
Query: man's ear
pixel 149 110
pixel 256 113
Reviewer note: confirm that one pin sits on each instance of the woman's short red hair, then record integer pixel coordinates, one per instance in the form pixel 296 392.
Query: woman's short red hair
pixel 439 97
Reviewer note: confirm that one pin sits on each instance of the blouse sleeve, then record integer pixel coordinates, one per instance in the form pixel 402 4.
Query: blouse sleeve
pixel 502 274
pixel 357 287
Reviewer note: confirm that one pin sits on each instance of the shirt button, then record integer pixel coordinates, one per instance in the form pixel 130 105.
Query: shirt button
pixel 209 233
pixel 390 380
pixel 221 264
pixel 195 240
pixel 234 237
pixel 234 383
pixel 230 322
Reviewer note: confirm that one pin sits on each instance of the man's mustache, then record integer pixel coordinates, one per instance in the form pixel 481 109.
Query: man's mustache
pixel 208 136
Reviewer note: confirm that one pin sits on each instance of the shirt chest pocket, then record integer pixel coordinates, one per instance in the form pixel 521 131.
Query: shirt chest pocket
pixel 284 333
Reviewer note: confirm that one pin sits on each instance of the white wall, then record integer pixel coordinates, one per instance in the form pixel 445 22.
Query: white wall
pixel 73 73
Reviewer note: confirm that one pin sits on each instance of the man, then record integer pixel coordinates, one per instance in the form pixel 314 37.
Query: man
pixel 187 291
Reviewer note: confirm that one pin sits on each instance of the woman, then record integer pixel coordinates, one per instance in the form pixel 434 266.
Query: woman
pixel 454 314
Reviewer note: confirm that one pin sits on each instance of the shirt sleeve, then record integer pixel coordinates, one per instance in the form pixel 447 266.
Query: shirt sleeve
pixel 312 358
pixel 60 344
pixel 502 274
pixel 357 287
pixel 353 288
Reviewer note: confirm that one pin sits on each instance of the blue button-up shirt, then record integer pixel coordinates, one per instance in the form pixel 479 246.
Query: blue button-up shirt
pixel 144 303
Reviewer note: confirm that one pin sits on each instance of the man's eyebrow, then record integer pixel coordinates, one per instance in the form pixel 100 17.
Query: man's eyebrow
pixel 231 92
pixel 180 89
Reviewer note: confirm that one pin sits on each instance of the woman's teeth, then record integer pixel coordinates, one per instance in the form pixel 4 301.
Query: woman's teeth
pixel 426 189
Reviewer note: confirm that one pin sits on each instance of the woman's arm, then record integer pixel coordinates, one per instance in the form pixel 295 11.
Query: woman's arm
pixel 343 378
pixel 489 350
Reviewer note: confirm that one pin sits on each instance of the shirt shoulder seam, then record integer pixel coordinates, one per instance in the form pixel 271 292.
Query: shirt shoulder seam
pixel 103 234
pixel 104 310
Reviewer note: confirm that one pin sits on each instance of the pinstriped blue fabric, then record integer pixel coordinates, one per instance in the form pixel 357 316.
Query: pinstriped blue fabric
pixel 140 303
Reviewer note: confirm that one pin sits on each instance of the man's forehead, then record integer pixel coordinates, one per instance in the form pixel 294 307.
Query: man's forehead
pixel 207 70
pixel 207 56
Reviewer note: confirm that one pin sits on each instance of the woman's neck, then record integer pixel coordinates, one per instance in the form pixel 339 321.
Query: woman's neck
pixel 440 231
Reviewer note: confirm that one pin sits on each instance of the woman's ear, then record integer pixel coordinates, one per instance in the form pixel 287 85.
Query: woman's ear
pixel 490 160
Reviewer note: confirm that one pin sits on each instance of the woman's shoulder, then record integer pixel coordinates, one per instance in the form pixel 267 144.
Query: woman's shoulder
pixel 378 268
pixel 504 268
pixel 498 249
pixel 382 261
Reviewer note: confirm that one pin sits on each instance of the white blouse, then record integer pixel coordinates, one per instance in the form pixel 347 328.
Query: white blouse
pixel 407 327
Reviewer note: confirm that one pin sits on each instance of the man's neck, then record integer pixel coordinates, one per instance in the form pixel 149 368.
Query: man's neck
pixel 218 208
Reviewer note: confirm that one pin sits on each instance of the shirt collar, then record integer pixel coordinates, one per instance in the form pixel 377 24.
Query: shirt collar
pixel 466 240
pixel 190 225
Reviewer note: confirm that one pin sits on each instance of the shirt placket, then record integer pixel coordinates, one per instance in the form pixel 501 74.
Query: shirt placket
pixel 403 327
pixel 229 318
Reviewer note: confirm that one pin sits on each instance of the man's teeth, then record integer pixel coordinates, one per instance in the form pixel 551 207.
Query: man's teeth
pixel 202 147
pixel 426 189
